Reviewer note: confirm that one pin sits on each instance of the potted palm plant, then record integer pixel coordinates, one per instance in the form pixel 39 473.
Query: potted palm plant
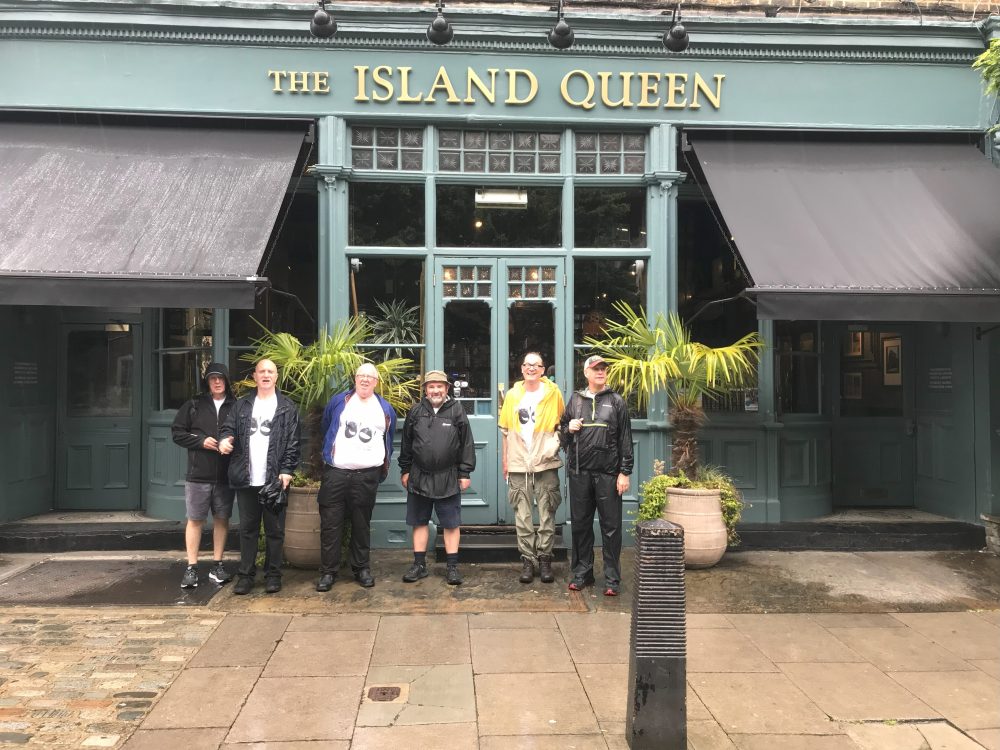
pixel 309 374
pixel 644 358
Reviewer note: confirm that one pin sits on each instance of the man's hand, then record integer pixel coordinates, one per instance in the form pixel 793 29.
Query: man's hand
pixel 226 446
pixel 210 444
pixel 286 479
pixel 575 425
pixel 464 483
pixel 622 484
pixel 405 479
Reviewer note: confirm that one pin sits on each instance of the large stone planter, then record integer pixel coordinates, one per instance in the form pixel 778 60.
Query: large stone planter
pixel 699 512
pixel 302 528
pixel 992 524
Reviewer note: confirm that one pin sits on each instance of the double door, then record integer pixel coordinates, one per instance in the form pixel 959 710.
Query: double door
pixel 489 312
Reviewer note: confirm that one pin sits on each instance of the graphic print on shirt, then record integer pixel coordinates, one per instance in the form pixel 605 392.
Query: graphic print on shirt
pixel 265 427
pixel 360 441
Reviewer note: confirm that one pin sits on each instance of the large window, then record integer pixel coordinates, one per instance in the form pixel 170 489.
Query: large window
pixel 798 367
pixel 609 218
pixel 389 293
pixel 463 223
pixel 183 351
pixel 385 214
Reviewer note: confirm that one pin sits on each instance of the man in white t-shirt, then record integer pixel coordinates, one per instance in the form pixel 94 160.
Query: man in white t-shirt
pixel 262 434
pixel 358 427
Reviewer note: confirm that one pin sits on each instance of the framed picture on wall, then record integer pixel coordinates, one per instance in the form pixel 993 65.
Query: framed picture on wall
pixel 892 363
pixel 854 344
pixel 853 385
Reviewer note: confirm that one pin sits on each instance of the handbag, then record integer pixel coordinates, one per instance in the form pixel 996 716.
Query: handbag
pixel 273 496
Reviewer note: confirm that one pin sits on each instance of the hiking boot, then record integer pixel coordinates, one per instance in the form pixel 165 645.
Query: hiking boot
pixel 545 568
pixel 415 573
pixel 527 571
pixel 219 574
pixel 454 578
pixel 364 578
pixel 272 585
pixel 244 585
pixel 190 578
pixel 579 583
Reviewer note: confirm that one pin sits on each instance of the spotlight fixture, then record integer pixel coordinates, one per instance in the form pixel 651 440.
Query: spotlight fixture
pixel 322 24
pixel 676 38
pixel 440 30
pixel 561 36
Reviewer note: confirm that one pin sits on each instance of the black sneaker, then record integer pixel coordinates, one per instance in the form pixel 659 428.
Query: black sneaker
pixel 415 573
pixel 244 585
pixel 364 578
pixel 454 578
pixel 272 585
pixel 219 574
pixel 190 578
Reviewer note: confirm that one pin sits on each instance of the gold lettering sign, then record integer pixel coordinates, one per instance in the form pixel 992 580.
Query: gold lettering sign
pixel 515 87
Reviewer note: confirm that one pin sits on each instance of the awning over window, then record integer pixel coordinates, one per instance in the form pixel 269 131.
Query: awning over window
pixel 138 216
pixel 861 231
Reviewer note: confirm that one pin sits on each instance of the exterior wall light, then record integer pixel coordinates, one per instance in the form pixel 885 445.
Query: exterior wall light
pixel 440 30
pixel 561 36
pixel 322 24
pixel 676 38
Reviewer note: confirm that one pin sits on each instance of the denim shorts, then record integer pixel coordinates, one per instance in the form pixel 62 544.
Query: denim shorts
pixel 449 510
pixel 202 497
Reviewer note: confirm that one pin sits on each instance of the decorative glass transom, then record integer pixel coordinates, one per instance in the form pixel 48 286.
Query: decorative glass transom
pixel 499 151
pixel 610 153
pixel 531 282
pixel 387 148
pixel 467 282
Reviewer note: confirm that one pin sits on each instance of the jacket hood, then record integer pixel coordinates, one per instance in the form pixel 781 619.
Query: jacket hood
pixel 217 368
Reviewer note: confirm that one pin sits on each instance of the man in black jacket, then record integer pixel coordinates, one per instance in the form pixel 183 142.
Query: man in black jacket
pixel 262 433
pixel 206 487
pixel 435 461
pixel 596 432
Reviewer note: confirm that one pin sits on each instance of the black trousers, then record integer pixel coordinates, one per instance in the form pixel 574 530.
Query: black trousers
pixel 590 491
pixel 251 513
pixel 346 493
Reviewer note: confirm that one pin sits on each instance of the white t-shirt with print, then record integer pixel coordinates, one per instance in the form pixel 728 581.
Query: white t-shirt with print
pixel 360 441
pixel 527 412
pixel 260 437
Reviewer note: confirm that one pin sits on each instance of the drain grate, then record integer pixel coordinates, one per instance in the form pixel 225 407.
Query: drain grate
pixel 383 694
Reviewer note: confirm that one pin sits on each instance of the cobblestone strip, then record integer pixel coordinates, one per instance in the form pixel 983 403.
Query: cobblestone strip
pixel 86 678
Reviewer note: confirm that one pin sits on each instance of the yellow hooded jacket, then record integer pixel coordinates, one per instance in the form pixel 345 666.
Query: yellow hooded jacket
pixel 544 452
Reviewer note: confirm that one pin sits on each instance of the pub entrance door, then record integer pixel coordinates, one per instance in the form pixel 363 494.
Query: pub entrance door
pixel 492 311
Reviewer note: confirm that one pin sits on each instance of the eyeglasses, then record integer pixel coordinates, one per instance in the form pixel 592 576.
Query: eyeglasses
pixel 532 365
pixel 365 377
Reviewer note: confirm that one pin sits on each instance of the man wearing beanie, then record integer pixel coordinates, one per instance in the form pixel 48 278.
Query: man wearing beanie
pixel 206 487
pixel 437 456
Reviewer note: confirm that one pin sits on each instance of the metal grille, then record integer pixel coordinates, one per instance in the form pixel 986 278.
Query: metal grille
pixel 658 618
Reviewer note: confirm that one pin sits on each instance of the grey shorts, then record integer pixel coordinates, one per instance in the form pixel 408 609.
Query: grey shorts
pixel 202 497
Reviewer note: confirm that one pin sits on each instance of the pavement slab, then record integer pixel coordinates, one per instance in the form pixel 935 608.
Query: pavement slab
pixel 707 735
pixel 606 684
pixel 597 638
pixel 988 738
pixel 717 650
pixel 521 650
pixel 315 654
pixel 327 623
pixel 429 694
pixel 793 742
pixel 990 615
pixel 170 739
pixel 184 704
pixel 247 640
pixel 422 639
pixel 989 666
pixel 969 700
pixel 792 638
pixel 511 620
pixel 899 650
pixel 533 704
pixel 962 633
pixel 306 745
pixel 426 737
pixel 544 742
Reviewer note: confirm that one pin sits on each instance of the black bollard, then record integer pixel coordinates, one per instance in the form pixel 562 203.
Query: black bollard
pixel 656 716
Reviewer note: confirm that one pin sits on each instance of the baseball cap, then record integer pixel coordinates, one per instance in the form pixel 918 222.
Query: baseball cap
pixel 595 359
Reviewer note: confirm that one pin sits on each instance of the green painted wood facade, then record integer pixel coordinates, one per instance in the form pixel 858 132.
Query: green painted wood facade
pixel 841 75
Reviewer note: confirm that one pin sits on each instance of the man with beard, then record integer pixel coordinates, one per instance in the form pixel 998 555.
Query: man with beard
pixel 597 434
pixel 435 461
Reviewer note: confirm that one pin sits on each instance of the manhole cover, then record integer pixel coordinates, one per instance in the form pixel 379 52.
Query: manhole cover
pixel 383 693
pixel 140 583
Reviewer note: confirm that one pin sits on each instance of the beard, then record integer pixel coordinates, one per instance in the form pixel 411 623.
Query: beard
pixel 436 400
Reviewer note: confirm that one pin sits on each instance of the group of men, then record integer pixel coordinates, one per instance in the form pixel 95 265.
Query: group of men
pixel 236 447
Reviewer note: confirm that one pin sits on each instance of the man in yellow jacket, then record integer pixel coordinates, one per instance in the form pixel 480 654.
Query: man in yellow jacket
pixel 529 421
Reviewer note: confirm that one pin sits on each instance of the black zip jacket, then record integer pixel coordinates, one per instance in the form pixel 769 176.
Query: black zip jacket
pixel 197 420
pixel 437 449
pixel 604 443
pixel 282 448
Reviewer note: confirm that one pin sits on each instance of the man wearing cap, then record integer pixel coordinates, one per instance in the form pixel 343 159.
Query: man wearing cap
pixel 358 427
pixel 206 487
pixel 529 421
pixel 436 458
pixel 596 432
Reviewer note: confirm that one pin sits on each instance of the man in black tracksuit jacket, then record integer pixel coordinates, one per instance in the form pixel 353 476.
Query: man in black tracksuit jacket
pixel 206 489
pixel 596 432
pixel 435 460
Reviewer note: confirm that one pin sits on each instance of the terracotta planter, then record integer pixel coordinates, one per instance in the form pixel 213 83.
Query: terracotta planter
pixel 302 528
pixel 699 512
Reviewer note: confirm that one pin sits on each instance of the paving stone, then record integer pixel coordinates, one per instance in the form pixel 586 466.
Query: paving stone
pixel 511 620
pixel 962 633
pixel 696 621
pixel 546 704
pixel 946 737
pixel 717 650
pixel 899 650
pixel 882 736
pixel 607 689
pixel 242 640
pixel 793 742
pixel 596 638
pixel 544 742
pixel 313 654
pixel 430 694
pixel 760 704
pixel 861 620
pixel 969 700
pixel 328 623
pixel 790 638
pixel 988 738
pixel 425 737
pixel 442 639
pixel 536 650
pixel 299 708
pixel 321 745
pixel 184 705
pixel 171 739
pixel 707 735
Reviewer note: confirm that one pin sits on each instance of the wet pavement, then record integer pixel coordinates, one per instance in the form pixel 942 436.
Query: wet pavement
pixel 795 650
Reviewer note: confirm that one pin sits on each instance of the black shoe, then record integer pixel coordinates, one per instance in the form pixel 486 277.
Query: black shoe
pixel 190 578
pixel 545 569
pixel 364 578
pixel 218 574
pixel 244 585
pixel 415 573
pixel 527 571
pixel 272 585
pixel 579 583
pixel 325 582
pixel 454 578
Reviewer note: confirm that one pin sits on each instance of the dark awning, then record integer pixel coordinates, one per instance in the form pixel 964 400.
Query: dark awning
pixel 138 216
pixel 861 231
